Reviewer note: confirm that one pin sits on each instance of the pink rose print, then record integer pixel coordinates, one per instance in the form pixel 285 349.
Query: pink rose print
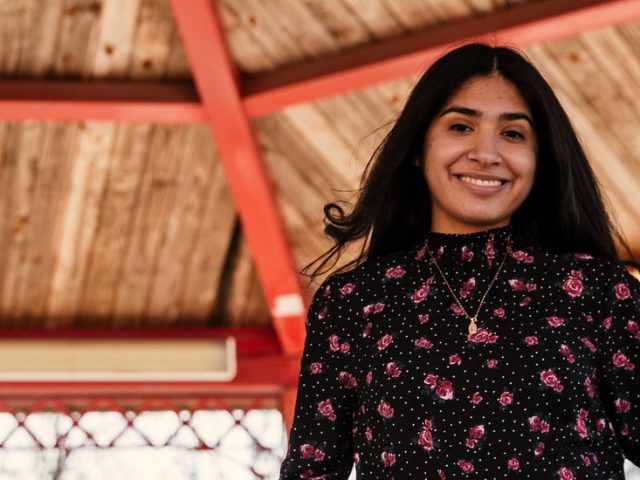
pixel 425 438
pixel 550 379
pixel 573 284
pixel 566 351
pixel 318 455
pixel 475 434
pixel 347 288
pixel 622 405
pixel 531 340
pixel 307 450
pixel 423 318
pixel 356 458
pixel 590 390
pixel 588 343
pixel 347 380
pixel 385 409
pixel 388 458
pixel 395 272
pixel 373 308
pixel 344 347
pixel 517 285
pixel 442 475
pixel 481 336
pixel 367 329
pixel 587 317
pixel 489 250
pixel 368 434
pixel 445 390
pixel 525 301
pixel 513 464
pixel 539 450
pixel 384 342
pixel 499 312
pixel 622 361
pixel 467 286
pixel 393 370
pixel 581 425
pixel 454 359
pixel 466 254
pixel 326 409
pixel 584 256
pixel 521 256
pixel 544 427
pixel 492 363
pixel 622 291
pixel 369 377
pixel 423 343
pixel 506 398
pixel 420 294
pixel 322 314
pixel 316 368
pixel 456 309
pixel 633 329
pixel 555 321
pixel 476 398
pixel 606 323
pixel 534 423
pixel 466 467
pixel 585 459
pixel 334 343
pixel 565 474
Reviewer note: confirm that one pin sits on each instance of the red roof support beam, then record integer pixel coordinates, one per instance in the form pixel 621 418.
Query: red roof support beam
pixel 166 102
pixel 217 82
pixel 531 23
pixel 523 25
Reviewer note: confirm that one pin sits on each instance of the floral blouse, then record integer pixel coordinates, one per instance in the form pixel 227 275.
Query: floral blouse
pixel 392 380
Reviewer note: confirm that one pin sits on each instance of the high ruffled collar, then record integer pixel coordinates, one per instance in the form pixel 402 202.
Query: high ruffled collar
pixel 486 244
pixel 499 235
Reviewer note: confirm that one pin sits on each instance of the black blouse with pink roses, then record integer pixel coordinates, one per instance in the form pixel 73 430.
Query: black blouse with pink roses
pixel 547 388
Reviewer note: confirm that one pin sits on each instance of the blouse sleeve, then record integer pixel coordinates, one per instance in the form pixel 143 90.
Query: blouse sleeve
pixel 320 441
pixel 620 360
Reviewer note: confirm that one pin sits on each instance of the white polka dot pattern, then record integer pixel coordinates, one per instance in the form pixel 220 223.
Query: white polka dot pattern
pixel 547 388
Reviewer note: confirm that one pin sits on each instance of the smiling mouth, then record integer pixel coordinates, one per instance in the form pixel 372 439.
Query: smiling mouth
pixel 481 182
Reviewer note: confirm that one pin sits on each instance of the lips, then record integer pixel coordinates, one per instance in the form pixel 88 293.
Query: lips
pixel 485 185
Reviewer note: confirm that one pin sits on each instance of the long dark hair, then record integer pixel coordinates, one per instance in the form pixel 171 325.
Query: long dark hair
pixel 564 210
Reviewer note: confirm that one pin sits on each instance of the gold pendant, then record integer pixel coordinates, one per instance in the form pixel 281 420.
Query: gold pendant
pixel 472 326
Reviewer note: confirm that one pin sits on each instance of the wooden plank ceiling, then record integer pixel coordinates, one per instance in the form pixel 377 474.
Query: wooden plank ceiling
pixel 132 225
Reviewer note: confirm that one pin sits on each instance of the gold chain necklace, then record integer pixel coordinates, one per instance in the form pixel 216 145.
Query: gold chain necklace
pixel 472 319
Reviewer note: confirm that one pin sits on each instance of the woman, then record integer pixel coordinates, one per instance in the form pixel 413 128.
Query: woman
pixel 488 330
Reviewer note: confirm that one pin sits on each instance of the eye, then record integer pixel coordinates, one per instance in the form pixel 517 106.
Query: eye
pixel 459 127
pixel 514 134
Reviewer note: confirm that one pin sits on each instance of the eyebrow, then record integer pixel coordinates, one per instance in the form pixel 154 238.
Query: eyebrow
pixel 507 116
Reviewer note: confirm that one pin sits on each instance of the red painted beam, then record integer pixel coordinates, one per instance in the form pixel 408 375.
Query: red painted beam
pixel 531 23
pixel 166 102
pixel 217 82
pixel 360 67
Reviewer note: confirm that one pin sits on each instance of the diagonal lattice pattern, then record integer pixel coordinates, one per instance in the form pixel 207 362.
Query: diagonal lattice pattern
pixel 174 443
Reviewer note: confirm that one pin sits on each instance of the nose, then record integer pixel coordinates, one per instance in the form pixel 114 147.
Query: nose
pixel 484 149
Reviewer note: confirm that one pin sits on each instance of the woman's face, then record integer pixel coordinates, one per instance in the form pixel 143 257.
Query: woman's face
pixel 480 156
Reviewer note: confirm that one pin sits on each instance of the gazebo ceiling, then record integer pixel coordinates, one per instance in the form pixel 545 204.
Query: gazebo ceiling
pixel 120 224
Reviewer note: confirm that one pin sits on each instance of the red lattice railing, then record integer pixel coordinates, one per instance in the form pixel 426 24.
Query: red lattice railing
pixel 238 438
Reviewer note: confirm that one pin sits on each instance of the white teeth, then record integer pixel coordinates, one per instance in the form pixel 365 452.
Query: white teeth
pixel 484 183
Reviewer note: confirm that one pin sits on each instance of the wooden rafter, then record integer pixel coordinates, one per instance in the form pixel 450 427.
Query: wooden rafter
pixel 524 25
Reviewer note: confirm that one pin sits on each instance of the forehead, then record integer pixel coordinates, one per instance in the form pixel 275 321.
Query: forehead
pixel 491 93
